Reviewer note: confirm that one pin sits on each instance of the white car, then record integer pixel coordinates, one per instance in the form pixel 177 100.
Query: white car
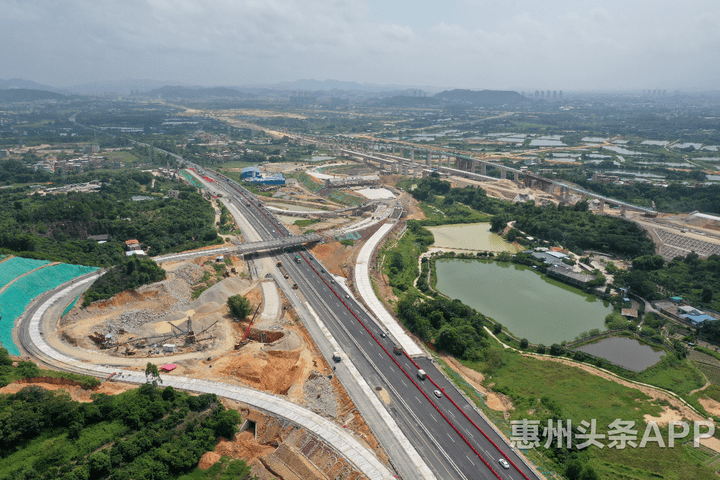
pixel 504 463
pixel 438 394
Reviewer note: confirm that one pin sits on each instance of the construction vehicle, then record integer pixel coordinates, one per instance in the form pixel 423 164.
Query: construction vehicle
pixel 278 264
pixel 283 271
pixel 421 374
pixel 297 258
pixel 336 357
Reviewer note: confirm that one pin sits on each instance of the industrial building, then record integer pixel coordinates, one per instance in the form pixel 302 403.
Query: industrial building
pixel 253 175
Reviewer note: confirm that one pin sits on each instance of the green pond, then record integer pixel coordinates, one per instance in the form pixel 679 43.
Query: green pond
pixel 472 237
pixel 528 304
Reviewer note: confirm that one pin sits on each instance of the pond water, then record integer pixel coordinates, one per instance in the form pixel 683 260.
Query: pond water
pixel 625 352
pixel 529 305
pixel 476 236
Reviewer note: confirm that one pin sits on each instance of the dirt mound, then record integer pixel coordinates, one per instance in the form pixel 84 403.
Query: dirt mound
pixel 274 371
pixel 220 292
pixel 208 460
pixel 243 447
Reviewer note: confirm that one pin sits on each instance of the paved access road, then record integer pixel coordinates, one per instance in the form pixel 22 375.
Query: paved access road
pixel 447 430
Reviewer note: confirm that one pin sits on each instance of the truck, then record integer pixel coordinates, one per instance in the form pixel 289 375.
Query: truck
pixel 398 350
pixel 421 374
pixel 278 264
pixel 282 270
pixel 297 258
pixel 336 357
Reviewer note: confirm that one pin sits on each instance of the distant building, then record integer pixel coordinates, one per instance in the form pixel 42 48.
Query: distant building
pixel 253 175
pixel 629 313
pixel 601 178
pixel 99 238
pixel 3 153
pixel 688 310
pixel 174 194
pixel 698 319
pixel 568 276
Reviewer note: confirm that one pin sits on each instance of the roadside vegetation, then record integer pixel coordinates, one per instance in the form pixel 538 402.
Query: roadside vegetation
pixel 56 227
pixel 28 369
pixel 133 272
pixel 147 433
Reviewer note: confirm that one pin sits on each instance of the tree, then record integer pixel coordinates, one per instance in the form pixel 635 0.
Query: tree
pixel 239 306
pixel 152 374
pixel 707 295
pixel 524 343
pixel 556 349
pixel 28 369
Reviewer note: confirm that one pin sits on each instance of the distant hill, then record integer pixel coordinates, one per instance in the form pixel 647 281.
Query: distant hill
pixel 405 101
pixel 186 93
pixel 322 85
pixel 26 84
pixel 121 87
pixel 482 97
pixel 28 95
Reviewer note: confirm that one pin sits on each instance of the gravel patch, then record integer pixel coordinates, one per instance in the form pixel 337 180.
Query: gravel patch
pixel 319 395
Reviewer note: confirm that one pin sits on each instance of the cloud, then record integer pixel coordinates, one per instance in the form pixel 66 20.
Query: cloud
pixel 467 43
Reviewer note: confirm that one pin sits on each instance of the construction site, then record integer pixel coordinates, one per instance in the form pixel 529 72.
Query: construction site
pixel 167 323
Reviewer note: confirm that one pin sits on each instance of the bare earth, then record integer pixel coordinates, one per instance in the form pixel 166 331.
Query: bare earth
pixel 278 357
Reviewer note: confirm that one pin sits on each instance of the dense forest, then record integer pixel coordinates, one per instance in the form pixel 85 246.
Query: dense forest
pixel 56 227
pixel 574 227
pixel 449 324
pixel 132 273
pixel 695 279
pixel 146 433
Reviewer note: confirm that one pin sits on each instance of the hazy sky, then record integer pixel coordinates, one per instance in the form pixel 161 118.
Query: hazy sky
pixel 477 44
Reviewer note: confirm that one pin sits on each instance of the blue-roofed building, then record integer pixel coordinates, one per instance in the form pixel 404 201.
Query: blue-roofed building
pixel 249 173
pixel 698 319
pixel 253 175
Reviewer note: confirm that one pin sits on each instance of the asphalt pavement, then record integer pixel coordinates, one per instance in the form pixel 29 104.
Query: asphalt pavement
pixel 449 432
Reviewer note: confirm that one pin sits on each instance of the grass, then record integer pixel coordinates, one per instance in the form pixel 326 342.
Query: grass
pixel 9 375
pixel 577 395
pixel 307 222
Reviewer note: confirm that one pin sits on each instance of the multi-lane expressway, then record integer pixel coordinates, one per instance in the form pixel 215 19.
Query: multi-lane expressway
pixel 448 432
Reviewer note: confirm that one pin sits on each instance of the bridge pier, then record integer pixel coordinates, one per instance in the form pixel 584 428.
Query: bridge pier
pixel 427 159
pixel 412 155
pixel 601 207
pixel 517 177
pixel 503 173
pixel 483 168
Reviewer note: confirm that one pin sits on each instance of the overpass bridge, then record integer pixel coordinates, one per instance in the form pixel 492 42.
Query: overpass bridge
pixel 244 248
pixel 465 166
pixel 278 243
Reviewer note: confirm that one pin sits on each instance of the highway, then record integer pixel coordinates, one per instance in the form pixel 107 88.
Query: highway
pixel 447 431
